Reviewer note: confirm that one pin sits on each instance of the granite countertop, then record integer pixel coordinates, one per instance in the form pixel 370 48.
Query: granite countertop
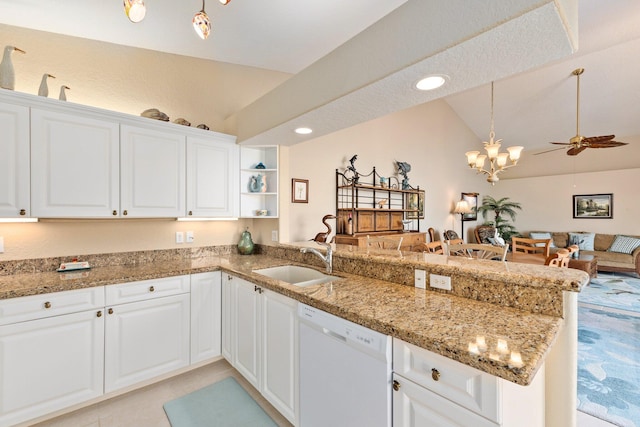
pixel 486 336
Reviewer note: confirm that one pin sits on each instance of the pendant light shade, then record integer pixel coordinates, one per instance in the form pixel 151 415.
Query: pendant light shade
pixel 202 23
pixel 134 9
pixel 225 2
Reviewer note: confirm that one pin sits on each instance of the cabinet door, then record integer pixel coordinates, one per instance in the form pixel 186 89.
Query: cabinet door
pixel 49 364
pixel 145 339
pixel 415 406
pixel 74 165
pixel 228 317
pixel 206 315
pixel 280 353
pixel 14 161
pixel 152 173
pixel 212 180
pixel 247 340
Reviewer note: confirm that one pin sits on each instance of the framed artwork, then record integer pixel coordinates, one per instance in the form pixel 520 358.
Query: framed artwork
pixel 299 190
pixel 593 206
pixel 472 201
pixel 415 201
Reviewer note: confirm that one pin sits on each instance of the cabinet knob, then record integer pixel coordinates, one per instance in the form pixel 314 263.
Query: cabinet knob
pixel 151 289
pixel 125 212
pixel 396 385
pixel 257 289
pixel 99 313
pixel 47 304
pixel 435 374
pixel 229 277
pixel 190 213
pixel 110 311
pixel 23 212
pixel 114 213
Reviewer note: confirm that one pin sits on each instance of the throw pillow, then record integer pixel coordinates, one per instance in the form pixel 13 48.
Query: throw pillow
pixel 624 244
pixel 542 236
pixel 583 240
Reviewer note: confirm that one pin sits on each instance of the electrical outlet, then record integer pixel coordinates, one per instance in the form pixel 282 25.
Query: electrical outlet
pixel 440 282
pixel 421 277
pixel 274 235
pixel 1 244
pixel 190 237
pixel 179 237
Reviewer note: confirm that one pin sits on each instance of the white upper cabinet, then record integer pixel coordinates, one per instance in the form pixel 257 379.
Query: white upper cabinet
pixel 152 172
pixel 74 165
pixel 14 161
pixel 212 177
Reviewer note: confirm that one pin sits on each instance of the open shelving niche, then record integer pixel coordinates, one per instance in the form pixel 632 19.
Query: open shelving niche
pixel 360 196
pixel 252 202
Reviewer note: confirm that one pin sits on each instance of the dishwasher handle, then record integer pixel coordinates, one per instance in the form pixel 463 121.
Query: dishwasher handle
pixel 334 335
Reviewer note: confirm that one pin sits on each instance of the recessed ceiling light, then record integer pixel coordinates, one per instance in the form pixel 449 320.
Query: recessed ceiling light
pixel 431 82
pixel 303 131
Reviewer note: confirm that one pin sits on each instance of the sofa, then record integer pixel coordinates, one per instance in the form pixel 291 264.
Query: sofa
pixel 609 248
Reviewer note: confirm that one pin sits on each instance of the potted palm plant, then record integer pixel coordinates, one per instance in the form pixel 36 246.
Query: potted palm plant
pixel 500 208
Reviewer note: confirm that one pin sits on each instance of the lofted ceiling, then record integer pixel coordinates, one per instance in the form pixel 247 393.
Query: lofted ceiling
pixel 533 106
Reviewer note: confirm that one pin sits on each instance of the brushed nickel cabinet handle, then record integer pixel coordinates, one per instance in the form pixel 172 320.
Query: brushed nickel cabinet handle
pixel 435 374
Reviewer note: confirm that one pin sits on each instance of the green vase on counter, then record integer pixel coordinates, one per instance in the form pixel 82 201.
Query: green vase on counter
pixel 245 245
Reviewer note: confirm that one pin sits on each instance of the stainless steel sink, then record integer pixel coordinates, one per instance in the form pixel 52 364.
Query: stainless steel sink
pixel 296 275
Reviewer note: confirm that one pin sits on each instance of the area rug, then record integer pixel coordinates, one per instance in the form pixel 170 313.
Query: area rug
pixel 614 291
pixel 223 404
pixel 609 350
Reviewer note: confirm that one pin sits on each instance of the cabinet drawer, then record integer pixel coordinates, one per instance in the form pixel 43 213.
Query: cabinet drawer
pixel 47 305
pixel 146 289
pixel 464 385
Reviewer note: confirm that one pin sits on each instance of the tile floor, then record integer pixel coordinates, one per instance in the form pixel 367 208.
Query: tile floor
pixel 143 407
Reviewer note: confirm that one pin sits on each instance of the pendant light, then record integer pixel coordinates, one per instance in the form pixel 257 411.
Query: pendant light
pixel 134 9
pixel 202 23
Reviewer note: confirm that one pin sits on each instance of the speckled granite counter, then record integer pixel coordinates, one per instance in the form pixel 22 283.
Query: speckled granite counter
pixel 487 336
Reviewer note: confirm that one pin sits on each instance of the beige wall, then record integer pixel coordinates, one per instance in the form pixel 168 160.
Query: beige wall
pixel 430 137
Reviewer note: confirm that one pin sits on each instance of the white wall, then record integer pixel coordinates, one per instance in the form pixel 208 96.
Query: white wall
pixel 430 137
pixel 547 202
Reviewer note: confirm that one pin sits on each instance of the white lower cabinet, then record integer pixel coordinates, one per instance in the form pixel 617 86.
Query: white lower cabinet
pixel 50 358
pixel 148 337
pixel 206 307
pixel 432 390
pixel 260 339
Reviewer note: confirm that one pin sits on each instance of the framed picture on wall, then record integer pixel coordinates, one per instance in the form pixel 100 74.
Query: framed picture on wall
pixel 593 206
pixel 299 190
pixel 472 201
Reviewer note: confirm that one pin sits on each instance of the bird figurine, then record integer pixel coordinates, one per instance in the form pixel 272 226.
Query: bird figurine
pixel 403 169
pixel 7 75
pixel 63 95
pixel 44 89
pixel 382 202
pixel 352 168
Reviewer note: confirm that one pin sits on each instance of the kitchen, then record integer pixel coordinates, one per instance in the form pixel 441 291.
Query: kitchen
pixel 73 237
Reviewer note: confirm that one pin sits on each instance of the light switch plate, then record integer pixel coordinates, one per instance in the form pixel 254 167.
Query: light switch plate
pixel 1 244
pixel 190 237
pixel 421 277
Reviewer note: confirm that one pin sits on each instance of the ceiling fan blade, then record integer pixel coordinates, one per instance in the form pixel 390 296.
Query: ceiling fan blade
pixel 561 143
pixel 606 144
pixel 592 139
pixel 574 151
pixel 549 151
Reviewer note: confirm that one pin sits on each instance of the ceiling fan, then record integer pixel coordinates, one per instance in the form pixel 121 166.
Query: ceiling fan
pixel 579 143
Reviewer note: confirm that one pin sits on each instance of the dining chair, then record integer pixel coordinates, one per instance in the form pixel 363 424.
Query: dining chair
pixel 478 251
pixel 559 259
pixel 435 247
pixel 531 246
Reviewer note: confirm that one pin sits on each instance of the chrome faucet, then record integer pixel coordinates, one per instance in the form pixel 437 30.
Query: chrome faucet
pixel 328 259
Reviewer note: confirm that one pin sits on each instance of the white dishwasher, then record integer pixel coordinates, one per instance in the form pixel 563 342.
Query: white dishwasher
pixel 345 372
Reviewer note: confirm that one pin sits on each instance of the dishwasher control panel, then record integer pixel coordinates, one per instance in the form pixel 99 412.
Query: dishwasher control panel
pixel 343 329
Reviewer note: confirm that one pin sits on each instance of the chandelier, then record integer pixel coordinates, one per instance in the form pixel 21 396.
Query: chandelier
pixel 497 160
pixel 136 10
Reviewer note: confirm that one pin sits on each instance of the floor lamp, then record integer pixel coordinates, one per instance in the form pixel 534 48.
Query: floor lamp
pixel 462 207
